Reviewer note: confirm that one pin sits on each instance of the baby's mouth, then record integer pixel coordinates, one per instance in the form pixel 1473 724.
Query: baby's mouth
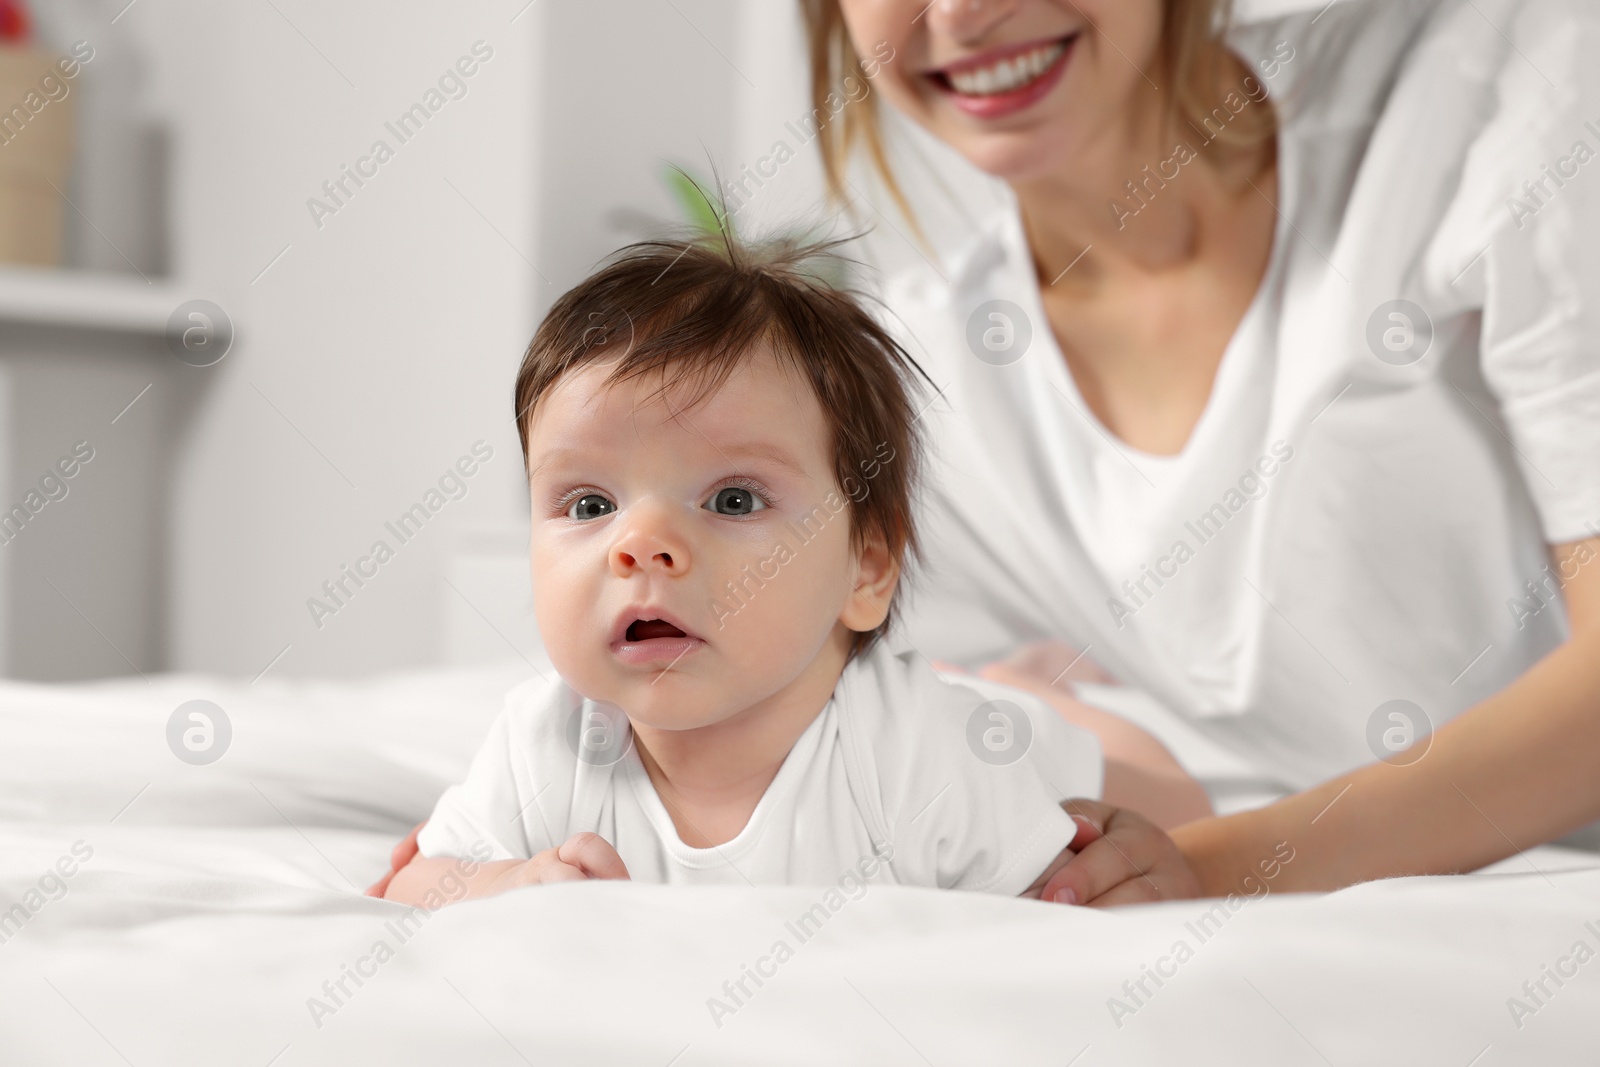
pixel 655 644
pixel 650 629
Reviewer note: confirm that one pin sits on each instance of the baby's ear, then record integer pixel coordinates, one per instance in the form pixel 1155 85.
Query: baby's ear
pixel 876 573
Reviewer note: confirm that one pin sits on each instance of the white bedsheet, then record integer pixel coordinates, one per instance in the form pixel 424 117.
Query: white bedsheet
pixel 219 900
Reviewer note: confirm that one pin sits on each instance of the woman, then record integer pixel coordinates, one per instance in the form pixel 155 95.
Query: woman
pixel 1276 390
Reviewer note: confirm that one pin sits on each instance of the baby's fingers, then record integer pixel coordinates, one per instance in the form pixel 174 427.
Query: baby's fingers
pixel 406 851
pixel 402 854
pixel 556 871
pixel 593 855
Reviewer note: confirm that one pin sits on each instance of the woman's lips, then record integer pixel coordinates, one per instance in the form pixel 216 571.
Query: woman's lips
pixel 990 105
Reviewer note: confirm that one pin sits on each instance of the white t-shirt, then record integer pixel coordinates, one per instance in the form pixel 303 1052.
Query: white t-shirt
pixel 903 777
pixel 1364 502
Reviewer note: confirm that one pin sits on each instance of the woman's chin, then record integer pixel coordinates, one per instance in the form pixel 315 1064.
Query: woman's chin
pixel 1013 158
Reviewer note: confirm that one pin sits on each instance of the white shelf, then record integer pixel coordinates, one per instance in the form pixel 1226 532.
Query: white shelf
pixel 85 300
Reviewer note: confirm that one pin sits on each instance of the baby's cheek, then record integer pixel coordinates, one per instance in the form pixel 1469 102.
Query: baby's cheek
pixel 788 599
pixel 566 616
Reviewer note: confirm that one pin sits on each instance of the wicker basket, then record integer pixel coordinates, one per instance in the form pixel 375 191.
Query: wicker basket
pixel 35 157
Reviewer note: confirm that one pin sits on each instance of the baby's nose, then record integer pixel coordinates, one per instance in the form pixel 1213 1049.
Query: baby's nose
pixel 649 542
pixel 630 560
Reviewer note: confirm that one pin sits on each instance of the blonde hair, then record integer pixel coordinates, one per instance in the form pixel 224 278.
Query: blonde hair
pixel 1192 56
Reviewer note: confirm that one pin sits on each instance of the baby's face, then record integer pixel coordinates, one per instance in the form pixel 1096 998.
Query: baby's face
pixel 690 565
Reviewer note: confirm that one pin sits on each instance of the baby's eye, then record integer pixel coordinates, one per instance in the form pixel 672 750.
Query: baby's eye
pixel 590 506
pixel 734 500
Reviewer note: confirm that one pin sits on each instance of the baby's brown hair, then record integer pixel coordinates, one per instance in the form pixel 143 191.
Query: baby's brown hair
pixel 693 309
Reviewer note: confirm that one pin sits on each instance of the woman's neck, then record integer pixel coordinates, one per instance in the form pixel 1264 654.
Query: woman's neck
pixel 1139 198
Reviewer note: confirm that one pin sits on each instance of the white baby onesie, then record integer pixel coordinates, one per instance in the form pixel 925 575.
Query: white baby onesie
pixel 904 778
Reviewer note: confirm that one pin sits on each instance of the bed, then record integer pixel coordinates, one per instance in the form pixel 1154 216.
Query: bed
pixel 212 915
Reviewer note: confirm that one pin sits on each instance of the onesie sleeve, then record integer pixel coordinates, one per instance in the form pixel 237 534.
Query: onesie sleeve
pixel 1530 198
pixel 970 777
pixel 498 803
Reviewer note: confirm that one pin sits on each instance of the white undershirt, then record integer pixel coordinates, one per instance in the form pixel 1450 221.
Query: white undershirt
pixel 886 782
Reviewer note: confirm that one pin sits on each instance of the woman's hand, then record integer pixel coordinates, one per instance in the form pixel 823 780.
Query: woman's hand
pixel 1122 858
pixel 403 854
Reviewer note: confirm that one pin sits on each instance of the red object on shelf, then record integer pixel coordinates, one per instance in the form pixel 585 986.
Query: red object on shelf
pixel 16 26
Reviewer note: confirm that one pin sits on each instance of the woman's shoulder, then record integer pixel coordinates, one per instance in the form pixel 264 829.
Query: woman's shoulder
pixel 1406 125
pixel 938 284
pixel 1335 65
pixel 1343 65
pixel 931 308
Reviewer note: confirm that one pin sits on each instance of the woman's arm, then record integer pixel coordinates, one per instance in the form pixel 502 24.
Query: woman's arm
pixel 1512 772
pixel 1141 774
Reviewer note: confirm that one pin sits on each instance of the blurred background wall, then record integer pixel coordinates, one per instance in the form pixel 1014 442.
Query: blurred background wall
pixel 376 325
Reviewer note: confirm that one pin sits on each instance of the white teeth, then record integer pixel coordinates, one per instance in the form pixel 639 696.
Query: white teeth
pixel 1007 74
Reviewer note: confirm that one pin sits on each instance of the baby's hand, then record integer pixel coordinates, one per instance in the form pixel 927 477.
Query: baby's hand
pixel 580 857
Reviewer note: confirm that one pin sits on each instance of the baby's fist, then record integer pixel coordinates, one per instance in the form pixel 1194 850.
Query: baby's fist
pixel 579 858
pixel 592 856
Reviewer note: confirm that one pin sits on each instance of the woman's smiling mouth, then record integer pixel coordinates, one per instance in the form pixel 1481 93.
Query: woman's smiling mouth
pixel 1004 80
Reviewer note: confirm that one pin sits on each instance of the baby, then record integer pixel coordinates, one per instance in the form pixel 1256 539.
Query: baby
pixel 722 456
